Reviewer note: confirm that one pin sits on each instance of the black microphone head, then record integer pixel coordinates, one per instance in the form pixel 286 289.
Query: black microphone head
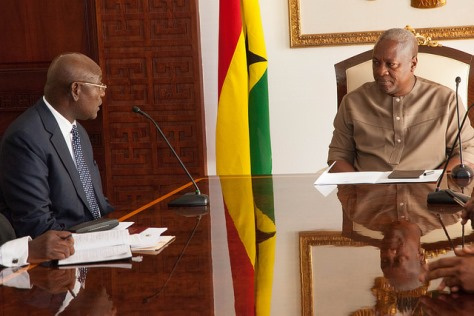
pixel 136 109
pixel 458 79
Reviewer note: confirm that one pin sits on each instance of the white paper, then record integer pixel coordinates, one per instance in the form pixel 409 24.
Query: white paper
pixel 123 225
pixel 371 177
pixel 101 239
pixel 156 248
pixel 99 246
pixel 98 254
pixel 325 190
pixel 147 238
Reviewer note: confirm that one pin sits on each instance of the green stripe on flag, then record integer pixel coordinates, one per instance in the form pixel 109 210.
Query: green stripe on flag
pixel 259 128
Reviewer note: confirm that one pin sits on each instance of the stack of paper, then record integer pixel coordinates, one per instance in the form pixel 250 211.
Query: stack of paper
pixel 99 246
pixel 150 241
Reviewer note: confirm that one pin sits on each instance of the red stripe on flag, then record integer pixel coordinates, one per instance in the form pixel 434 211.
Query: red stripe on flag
pixel 230 28
pixel 242 271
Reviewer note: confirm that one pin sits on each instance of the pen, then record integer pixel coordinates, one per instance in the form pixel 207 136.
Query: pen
pixel 455 198
pixel 428 172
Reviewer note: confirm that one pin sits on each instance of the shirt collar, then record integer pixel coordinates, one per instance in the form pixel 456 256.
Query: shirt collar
pixel 63 123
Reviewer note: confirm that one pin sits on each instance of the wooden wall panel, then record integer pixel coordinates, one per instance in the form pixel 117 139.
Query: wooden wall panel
pixel 149 52
pixel 32 33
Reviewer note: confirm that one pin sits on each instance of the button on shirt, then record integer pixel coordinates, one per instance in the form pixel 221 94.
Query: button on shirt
pixel 377 132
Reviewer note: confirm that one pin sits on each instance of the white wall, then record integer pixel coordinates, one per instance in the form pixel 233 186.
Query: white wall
pixel 302 87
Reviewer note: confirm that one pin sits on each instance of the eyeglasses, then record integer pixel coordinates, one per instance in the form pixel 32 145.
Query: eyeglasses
pixel 99 85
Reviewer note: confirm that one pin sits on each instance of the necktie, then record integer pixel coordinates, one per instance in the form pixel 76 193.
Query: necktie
pixel 84 173
pixel 81 277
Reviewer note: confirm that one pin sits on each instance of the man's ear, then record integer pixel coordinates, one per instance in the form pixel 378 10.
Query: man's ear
pixel 75 89
pixel 414 62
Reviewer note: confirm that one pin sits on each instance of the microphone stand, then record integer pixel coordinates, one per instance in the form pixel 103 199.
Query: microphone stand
pixel 440 196
pixel 461 173
pixel 189 199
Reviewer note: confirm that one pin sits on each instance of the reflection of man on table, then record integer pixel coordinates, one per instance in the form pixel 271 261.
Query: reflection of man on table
pixel 376 206
pixel 401 255
pixel 60 291
pixel 399 121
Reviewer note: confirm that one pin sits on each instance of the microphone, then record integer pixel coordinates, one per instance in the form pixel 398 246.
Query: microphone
pixel 462 173
pixel 189 199
pixel 441 196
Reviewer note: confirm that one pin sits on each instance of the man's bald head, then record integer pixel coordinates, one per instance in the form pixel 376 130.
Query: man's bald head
pixel 66 69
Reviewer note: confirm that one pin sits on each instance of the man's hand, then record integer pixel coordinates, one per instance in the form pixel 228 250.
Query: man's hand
pixel 342 166
pixel 466 251
pixel 50 246
pixel 468 212
pixel 54 281
pixel 446 305
pixel 457 272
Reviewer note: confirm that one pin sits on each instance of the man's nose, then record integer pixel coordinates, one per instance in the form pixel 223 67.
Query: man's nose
pixel 381 70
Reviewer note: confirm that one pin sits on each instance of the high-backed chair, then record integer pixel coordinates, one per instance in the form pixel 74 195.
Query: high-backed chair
pixel 440 64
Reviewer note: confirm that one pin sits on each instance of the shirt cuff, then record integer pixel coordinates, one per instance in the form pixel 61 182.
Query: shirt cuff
pixel 14 253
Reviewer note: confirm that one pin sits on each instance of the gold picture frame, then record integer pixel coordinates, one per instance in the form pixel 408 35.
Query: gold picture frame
pixel 308 240
pixel 297 39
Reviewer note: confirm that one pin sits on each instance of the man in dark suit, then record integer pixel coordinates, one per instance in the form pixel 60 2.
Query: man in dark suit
pixel 41 188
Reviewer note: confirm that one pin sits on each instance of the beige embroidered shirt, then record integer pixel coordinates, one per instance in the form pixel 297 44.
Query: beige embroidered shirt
pixel 378 132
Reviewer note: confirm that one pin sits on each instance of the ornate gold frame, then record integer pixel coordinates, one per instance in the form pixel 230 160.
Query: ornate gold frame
pixel 307 240
pixel 350 38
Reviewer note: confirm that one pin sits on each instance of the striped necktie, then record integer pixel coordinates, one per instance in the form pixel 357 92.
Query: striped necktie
pixel 84 173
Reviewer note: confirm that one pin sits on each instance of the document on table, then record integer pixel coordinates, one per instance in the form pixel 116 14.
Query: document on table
pixel 372 177
pixel 99 246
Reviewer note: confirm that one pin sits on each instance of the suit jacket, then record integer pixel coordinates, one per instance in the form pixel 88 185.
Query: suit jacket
pixel 40 187
pixel 6 230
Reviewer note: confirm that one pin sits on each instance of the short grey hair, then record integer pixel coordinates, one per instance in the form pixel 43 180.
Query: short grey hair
pixel 401 36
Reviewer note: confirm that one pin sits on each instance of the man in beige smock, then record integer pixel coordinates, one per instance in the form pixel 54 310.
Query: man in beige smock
pixel 399 121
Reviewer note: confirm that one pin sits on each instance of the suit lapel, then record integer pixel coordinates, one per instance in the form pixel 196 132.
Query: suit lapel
pixel 57 140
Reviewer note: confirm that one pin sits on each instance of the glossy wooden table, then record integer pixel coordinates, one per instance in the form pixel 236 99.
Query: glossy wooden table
pixel 277 247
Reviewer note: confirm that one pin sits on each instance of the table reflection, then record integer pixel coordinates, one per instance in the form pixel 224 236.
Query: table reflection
pixel 401 255
pixel 372 207
pixel 56 291
pixel 448 305
pixel 361 248
pixel 396 220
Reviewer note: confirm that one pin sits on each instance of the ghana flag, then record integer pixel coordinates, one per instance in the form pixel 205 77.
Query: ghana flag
pixel 243 128
pixel 243 148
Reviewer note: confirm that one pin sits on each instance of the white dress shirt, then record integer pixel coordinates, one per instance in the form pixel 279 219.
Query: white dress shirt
pixel 14 253
pixel 65 126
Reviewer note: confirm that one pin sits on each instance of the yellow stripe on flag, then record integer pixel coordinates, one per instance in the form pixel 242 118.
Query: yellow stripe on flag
pixel 232 131
pixel 238 197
